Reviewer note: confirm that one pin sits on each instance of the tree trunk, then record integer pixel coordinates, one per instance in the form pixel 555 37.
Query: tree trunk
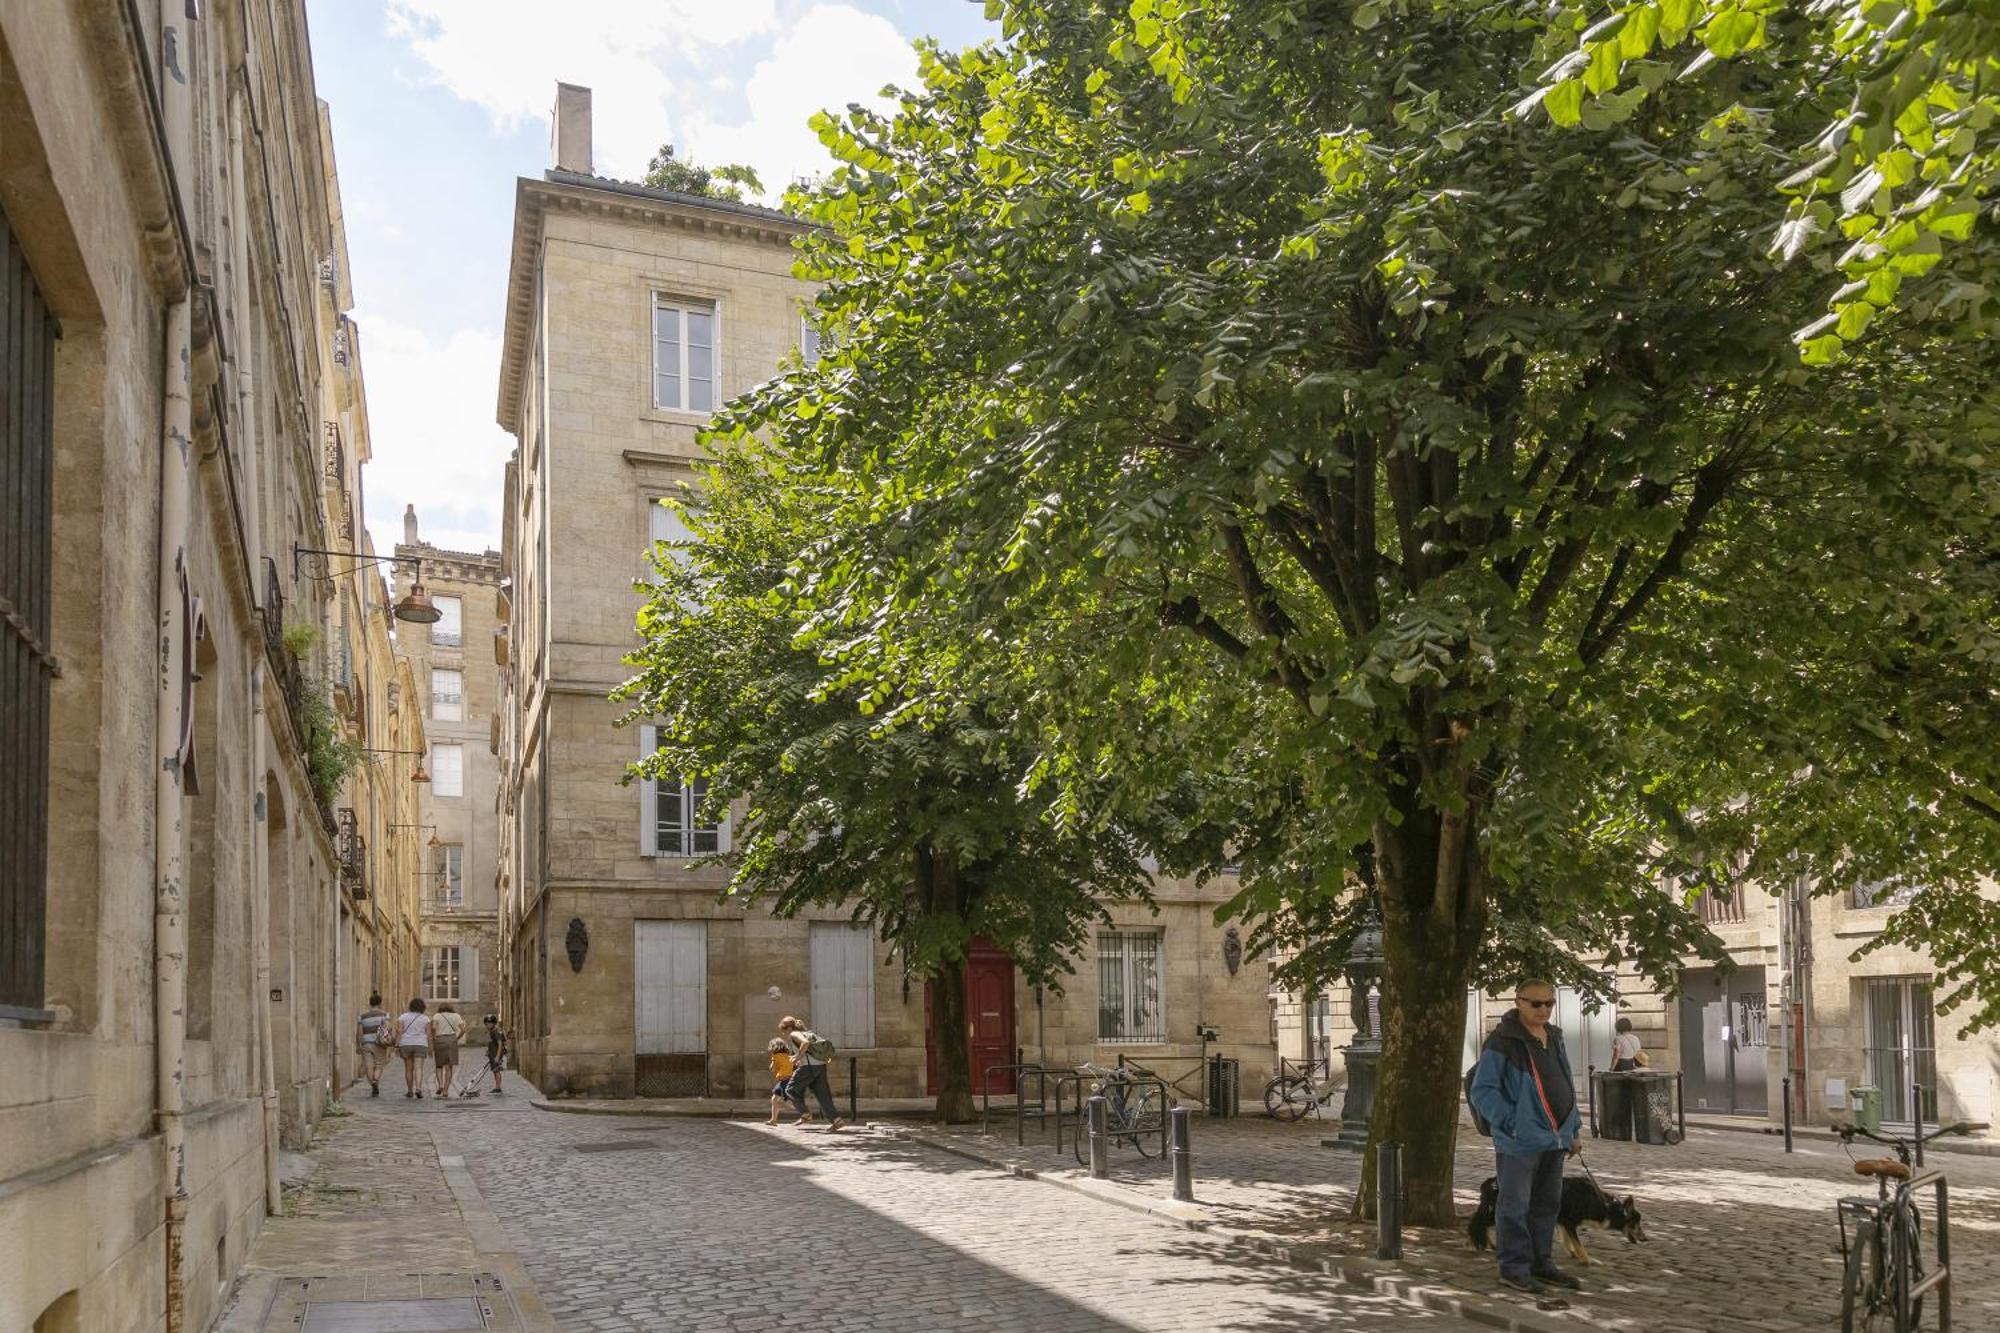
pixel 954 1043
pixel 1431 888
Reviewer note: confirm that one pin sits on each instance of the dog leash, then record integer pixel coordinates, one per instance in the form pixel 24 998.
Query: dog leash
pixel 1602 1197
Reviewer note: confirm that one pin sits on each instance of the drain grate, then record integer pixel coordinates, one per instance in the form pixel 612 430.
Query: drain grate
pixel 456 1315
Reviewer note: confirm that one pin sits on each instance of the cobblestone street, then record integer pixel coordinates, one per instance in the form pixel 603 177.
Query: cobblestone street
pixel 1739 1236
pixel 628 1223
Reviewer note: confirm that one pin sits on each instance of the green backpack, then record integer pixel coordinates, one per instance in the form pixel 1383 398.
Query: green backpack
pixel 818 1047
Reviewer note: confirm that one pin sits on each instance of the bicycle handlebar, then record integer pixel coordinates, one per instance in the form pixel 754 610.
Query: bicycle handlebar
pixel 1848 1132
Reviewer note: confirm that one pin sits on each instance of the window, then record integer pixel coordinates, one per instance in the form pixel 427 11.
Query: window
pixel 447 770
pixel 1902 1045
pixel 683 355
pixel 447 695
pixel 843 984
pixel 27 661
pixel 1128 987
pixel 1891 892
pixel 448 872
pixel 668 814
pixel 809 342
pixel 663 525
pixel 441 973
pixel 448 630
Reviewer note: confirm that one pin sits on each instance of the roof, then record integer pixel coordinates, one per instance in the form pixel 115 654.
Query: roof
pixel 575 191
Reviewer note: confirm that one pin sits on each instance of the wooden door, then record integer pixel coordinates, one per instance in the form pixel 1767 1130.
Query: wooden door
pixel 989 1012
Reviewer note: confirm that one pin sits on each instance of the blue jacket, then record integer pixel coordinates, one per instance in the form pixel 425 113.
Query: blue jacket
pixel 1503 1090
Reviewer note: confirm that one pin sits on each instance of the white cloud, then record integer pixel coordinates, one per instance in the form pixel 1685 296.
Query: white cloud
pixel 724 80
pixel 434 440
pixel 506 55
pixel 832 56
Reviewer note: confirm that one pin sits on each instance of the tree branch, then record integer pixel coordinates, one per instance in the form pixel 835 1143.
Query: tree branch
pixel 1711 484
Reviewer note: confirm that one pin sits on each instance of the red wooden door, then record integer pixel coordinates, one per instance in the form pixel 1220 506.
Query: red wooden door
pixel 989 1011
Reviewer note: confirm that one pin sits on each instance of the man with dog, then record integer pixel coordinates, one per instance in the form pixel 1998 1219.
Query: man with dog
pixel 1522 1088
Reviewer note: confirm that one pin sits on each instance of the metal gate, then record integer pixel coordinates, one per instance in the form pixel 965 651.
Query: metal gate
pixel 670 998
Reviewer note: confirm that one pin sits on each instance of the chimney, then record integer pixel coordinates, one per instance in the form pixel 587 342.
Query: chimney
pixel 409 525
pixel 569 134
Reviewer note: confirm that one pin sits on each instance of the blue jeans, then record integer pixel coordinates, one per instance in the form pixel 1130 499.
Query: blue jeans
pixel 1530 1194
pixel 813 1078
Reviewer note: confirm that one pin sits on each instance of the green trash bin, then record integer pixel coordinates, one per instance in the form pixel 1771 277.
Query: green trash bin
pixel 1866 1106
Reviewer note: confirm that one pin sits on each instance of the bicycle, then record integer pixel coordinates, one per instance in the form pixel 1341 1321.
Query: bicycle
pixel 1882 1281
pixel 1295 1093
pixel 1132 1110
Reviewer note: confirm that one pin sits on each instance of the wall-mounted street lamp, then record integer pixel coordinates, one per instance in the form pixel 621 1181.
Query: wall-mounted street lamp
pixel 414 607
pixel 420 775
pixel 433 844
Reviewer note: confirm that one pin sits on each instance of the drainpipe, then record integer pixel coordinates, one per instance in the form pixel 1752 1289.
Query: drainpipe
pixel 169 816
pixel 260 925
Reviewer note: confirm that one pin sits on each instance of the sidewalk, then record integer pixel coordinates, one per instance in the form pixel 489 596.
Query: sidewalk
pixel 389 1232
pixel 1739 1235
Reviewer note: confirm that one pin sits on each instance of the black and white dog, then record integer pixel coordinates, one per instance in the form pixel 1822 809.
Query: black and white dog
pixel 1583 1205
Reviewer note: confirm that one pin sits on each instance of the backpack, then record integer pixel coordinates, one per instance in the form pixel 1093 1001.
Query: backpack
pixel 818 1047
pixel 1479 1122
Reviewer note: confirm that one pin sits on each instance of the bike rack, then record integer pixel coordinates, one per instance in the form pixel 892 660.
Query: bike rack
pixel 1939 1278
pixel 1082 1108
pixel 1021 1112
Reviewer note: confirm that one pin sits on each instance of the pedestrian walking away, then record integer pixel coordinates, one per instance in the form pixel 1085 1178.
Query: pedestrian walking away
pixel 446 1030
pixel 1522 1087
pixel 781 1074
pixel 496 1050
pixel 1626 1051
pixel 368 1043
pixel 810 1052
pixel 413 1043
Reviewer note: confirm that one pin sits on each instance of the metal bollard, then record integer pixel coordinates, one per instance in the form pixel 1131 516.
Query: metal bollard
pixel 853 1097
pixel 1917 1117
pixel 1180 1152
pixel 1389 1201
pixel 1100 1143
pixel 1788 1114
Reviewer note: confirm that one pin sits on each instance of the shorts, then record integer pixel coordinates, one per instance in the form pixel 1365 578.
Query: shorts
pixel 412 1054
pixel 375 1055
pixel 782 1088
pixel 446 1049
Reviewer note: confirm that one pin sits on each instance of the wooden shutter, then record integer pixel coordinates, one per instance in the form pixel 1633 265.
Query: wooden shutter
pixel 468 974
pixel 670 961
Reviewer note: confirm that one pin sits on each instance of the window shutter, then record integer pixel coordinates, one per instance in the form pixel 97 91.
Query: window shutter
pixel 826 1013
pixel 860 974
pixel 649 838
pixel 468 976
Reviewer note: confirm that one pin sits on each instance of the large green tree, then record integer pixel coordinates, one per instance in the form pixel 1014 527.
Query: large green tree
pixel 922 831
pixel 1421 477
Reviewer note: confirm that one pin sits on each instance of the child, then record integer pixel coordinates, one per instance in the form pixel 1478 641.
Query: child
pixel 781 1073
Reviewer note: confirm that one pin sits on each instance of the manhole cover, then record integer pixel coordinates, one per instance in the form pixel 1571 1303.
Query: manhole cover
pixel 455 1315
pixel 617 1145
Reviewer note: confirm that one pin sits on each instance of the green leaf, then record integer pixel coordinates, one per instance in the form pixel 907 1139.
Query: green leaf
pixel 1602 76
pixel 1564 102
pixel 1367 15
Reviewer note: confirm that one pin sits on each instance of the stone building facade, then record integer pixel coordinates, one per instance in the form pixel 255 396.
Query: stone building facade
pixel 631 314
pixel 1796 1004
pixel 456 674
pixel 183 396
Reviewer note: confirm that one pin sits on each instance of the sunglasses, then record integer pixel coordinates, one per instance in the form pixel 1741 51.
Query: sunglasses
pixel 1535 1004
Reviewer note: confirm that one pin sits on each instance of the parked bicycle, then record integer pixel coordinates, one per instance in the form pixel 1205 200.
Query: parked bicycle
pixel 1134 1109
pixel 1883 1284
pixel 1299 1090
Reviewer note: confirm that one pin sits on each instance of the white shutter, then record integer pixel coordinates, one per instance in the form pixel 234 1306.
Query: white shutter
pixel 670 975
pixel 648 836
pixel 468 974
pixel 860 987
pixel 827 1008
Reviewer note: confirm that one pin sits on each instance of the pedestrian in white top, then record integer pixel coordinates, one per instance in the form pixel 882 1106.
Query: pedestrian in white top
pixel 413 1043
pixel 1626 1049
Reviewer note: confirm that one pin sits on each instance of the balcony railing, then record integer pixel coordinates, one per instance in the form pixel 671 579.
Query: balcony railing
pixel 352 851
pixel 1725 908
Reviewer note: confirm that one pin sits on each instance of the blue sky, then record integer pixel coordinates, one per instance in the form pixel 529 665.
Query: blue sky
pixel 438 105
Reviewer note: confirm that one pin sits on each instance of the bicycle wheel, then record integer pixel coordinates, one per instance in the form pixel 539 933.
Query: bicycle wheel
pixel 1861 1275
pixel 1913 1265
pixel 1288 1099
pixel 1147 1114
